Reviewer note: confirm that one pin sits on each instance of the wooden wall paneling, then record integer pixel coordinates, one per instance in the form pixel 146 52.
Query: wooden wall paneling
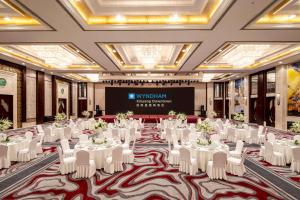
pixel 40 97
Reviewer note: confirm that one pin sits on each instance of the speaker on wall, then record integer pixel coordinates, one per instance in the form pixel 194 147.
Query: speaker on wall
pixel 98 111
pixel 202 111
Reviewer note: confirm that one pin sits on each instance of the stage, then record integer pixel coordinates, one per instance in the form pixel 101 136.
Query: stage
pixel 149 118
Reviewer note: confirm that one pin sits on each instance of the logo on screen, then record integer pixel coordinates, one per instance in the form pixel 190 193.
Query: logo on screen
pixel 131 96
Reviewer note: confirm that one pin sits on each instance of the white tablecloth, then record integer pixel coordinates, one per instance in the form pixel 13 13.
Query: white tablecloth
pixel 205 153
pixel 98 153
pixel 14 146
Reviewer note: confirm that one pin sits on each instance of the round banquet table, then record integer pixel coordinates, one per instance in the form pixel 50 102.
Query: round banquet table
pixel 98 152
pixel 205 153
pixel 15 145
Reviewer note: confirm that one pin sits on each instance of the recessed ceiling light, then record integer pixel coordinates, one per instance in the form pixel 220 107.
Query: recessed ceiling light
pixel 176 62
pixel 23 63
pixel 175 17
pixel 7 18
pixel 280 62
pixel 122 62
pixel 220 50
pixel 93 62
pixel 292 16
pixel 114 51
pixel 51 72
pixel 77 51
pixel 183 50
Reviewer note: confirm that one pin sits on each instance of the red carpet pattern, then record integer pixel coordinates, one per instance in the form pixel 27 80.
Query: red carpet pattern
pixel 150 177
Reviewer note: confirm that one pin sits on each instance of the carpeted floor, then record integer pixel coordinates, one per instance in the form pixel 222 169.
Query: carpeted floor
pixel 150 177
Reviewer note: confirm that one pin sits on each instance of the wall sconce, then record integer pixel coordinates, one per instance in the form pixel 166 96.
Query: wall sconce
pixel 278 99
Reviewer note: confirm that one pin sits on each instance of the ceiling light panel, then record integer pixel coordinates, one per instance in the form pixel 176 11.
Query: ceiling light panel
pixel 13 16
pixel 148 56
pixel 249 55
pixel 282 14
pixel 50 56
pixel 135 14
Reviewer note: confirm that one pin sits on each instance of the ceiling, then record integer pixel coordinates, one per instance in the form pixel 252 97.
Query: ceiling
pixel 90 40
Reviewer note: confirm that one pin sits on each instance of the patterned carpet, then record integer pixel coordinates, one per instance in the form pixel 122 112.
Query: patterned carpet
pixel 150 177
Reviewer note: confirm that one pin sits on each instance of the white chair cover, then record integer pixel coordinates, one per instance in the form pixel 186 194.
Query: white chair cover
pixel 295 165
pixel 39 145
pixel 49 136
pixel 85 168
pixel 28 135
pixel 114 163
pixel 67 165
pixel 67 152
pixel 4 160
pixel 40 129
pixel 253 137
pixel 238 149
pixel 68 133
pixel 115 134
pixel 231 134
pixel 175 141
pixel 275 158
pixel 215 138
pixel 185 135
pixel 187 164
pixel 216 169
pixel 28 153
pixel 271 137
pixel 236 166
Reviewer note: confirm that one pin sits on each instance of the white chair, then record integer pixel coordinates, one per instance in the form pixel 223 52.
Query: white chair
pixel 236 166
pixel 67 152
pixel 185 135
pixel 85 167
pixel 253 136
pixel 231 137
pixel 271 137
pixel 238 149
pixel 169 135
pixel 28 153
pixel 173 154
pixel 295 165
pixel 40 129
pixel 39 145
pixel 297 137
pixel 68 133
pixel 115 134
pixel 83 138
pixel 4 160
pixel 28 135
pixel 215 138
pixel 216 169
pixel 128 155
pixel 186 163
pixel 275 158
pixel 261 134
pixel 114 162
pixel 176 146
pixel 75 132
pixel 66 165
pixel 49 136
pixel 126 143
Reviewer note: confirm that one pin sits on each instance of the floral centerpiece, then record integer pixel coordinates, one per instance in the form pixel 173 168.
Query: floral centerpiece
pixel 239 117
pixel 295 128
pixel 205 127
pixel 3 137
pixel 129 113
pixel 100 124
pixel 181 116
pixel 203 142
pixel 5 124
pixel 86 113
pixel 99 140
pixel 172 113
pixel 121 116
pixel 60 117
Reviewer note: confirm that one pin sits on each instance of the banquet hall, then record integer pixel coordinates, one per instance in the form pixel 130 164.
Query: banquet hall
pixel 150 99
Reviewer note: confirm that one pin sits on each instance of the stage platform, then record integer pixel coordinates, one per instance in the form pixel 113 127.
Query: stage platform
pixel 149 118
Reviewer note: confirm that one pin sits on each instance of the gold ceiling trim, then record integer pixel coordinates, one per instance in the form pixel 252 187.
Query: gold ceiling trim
pixel 23 20
pixel 119 60
pixel 201 18
pixel 36 61
pixel 271 17
pixel 77 77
